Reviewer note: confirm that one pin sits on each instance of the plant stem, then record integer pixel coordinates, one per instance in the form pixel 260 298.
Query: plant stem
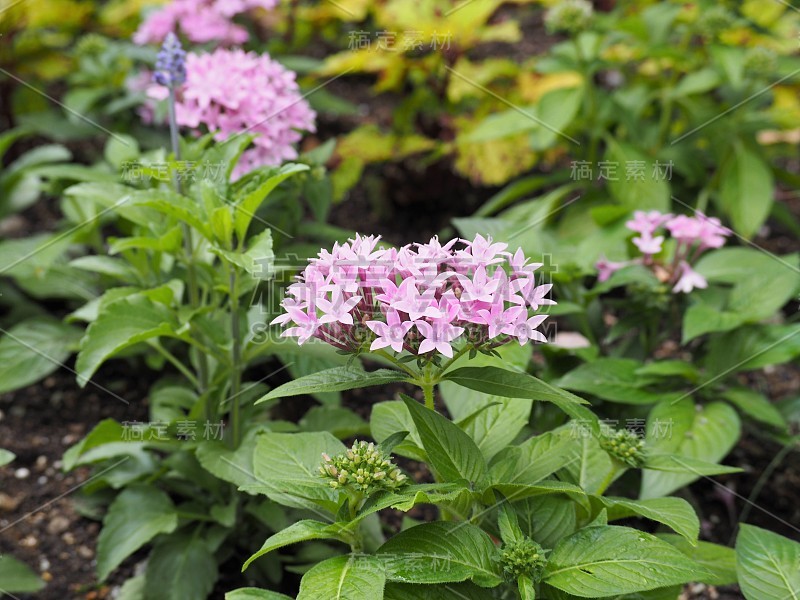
pixel 427 389
pixel 396 362
pixel 456 356
pixel 236 359
pixel 194 290
pixel 177 364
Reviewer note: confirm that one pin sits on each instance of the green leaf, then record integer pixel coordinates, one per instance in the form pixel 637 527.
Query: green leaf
pixel 448 591
pixel 515 492
pixel 265 181
pixel 647 193
pixel 132 589
pixel 533 460
pixel 16 577
pixel 755 405
pixel 254 594
pixel 301 531
pixel 390 417
pixel 768 565
pixel 121 148
pixel 705 433
pixel 746 189
pixel 341 422
pixel 119 326
pixel 451 452
pixel 6 456
pixel 286 467
pixel 184 209
pixel 344 578
pixel 510 384
pixel 408 497
pixel 675 513
pixel 33 349
pixel 672 463
pixel 546 519
pixel 135 517
pixel 257 261
pixel 557 109
pixel 441 552
pixel 613 379
pixel 527 591
pixel 701 318
pixel 602 561
pixel 492 428
pixel 336 379
pixel 182 568
pixel 753 347
pixel 235 466
pixel 719 561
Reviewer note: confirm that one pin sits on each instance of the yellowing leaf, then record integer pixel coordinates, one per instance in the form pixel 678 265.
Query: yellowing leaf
pixel 533 86
pixel 496 161
pixel 482 73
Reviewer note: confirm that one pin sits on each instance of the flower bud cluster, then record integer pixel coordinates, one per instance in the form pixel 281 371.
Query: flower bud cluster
pixel 624 445
pixel 525 557
pixel 569 16
pixel 364 467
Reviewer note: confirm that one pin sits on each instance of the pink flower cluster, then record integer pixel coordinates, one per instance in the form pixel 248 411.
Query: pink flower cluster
pixel 694 235
pixel 232 92
pixel 421 298
pixel 200 21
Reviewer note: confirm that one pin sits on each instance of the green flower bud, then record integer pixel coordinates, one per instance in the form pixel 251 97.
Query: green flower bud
pixel 569 16
pixel 525 557
pixel 760 62
pixel 363 467
pixel 623 445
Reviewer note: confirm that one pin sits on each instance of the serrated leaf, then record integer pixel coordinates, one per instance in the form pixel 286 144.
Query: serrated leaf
pixel 441 552
pixel 675 513
pixel 135 517
pixel 286 467
pixel 301 531
pixel 336 379
pixel 719 561
pixel 344 578
pixel 768 565
pixel 602 561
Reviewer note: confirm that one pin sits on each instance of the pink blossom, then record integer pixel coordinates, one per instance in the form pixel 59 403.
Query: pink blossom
pixel 425 297
pixel 200 21
pixel 649 245
pixel 606 268
pixel 689 279
pixel 232 92
pixel 646 223
pixel 391 333
pixel 685 229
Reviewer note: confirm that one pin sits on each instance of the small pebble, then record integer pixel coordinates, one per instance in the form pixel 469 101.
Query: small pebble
pixel 85 552
pixel 47 576
pixel 57 524
pixel 28 542
pixel 7 503
pixel 42 480
pixel 68 538
pixel 41 463
pixel 22 473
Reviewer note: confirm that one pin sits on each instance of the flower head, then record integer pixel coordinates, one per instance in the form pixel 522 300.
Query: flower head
pixel 569 16
pixel 232 91
pixel 623 445
pixel 525 557
pixel 422 298
pixel 200 21
pixel 170 63
pixel 689 279
pixel 364 468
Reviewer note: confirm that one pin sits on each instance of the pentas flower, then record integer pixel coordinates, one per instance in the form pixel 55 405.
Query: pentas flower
pixel 424 299
pixel 200 21
pixel 694 235
pixel 230 92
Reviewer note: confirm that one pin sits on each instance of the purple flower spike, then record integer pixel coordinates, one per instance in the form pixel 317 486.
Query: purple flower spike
pixel 171 63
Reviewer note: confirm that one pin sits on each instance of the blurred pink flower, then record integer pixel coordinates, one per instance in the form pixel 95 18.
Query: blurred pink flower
pixel 421 298
pixel 200 21
pixel 606 268
pixel 649 245
pixel 232 92
pixel 646 223
pixel 689 279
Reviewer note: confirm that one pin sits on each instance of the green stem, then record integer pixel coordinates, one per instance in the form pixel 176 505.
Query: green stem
pixel 456 356
pixel 194 290
pixel 396 363
pixel 236 359
pixel 177 364
pixel 427 389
